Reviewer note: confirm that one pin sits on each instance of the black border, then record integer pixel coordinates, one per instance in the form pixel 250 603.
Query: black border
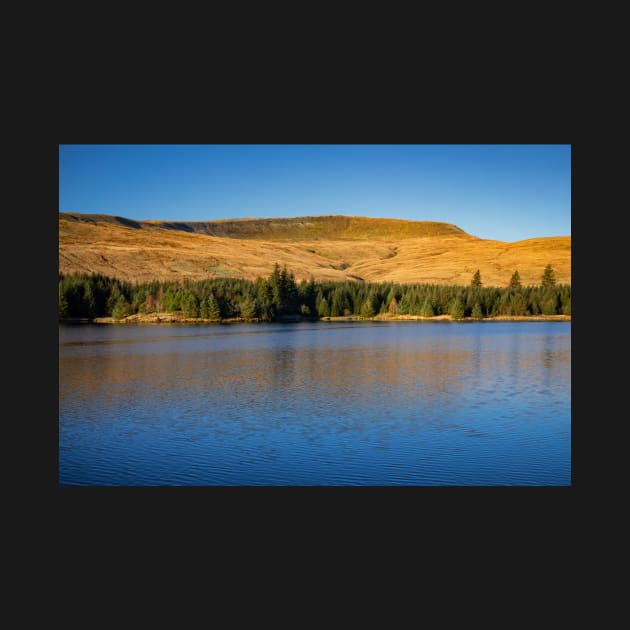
pixel 472 506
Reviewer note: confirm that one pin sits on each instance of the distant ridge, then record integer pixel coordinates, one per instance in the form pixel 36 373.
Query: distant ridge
pixel 290 228
pixel 334 247
pixel 99 218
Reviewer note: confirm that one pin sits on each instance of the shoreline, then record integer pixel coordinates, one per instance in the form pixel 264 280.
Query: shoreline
pixel 176 318
pixel 494 318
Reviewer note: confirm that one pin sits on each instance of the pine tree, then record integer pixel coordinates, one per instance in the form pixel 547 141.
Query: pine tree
pixel 503 305
pixel 476 311
pixel 322 309
pixel 336 303
pixel 89 303
pixel 391 295
pixel 307 292
pixel 367 310
pixel 339 304
pixel 276 288
pixel 292 294
pixel 427 309
pixel 515 282
pixel 518 305
pixel 264 298
pixel 190 305
pixel 404 306
pixel 456 310
pixel 566 306
pixel 203 307
pixel 209 308
pixel 476 280
pixel 266 310
pixel 247 307
pixel 121 308
pixel 566 301
pixel 548 279
pixel 550 304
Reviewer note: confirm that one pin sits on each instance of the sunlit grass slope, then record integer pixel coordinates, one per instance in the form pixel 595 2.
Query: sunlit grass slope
pixel 322 247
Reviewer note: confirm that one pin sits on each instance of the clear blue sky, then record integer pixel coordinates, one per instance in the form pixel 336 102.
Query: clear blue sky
pixel 503 192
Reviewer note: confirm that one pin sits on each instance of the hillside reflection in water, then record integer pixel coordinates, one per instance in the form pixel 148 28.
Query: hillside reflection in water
pixel 316 404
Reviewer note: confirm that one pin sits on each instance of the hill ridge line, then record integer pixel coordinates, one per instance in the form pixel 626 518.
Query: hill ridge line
pixel 306 227
pixel 325 247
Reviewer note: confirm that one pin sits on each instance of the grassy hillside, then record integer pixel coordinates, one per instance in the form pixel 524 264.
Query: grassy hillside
pixel 324 247
pixel 289 229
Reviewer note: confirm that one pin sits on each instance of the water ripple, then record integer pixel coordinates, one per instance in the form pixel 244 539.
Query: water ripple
pixel 347 404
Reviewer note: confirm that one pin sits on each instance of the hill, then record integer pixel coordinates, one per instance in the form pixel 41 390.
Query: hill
pixel 322 247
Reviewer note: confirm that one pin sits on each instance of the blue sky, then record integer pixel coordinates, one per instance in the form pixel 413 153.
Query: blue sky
pixel 504 192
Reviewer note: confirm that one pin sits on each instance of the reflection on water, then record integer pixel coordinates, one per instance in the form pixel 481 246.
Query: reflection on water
pixel 316 404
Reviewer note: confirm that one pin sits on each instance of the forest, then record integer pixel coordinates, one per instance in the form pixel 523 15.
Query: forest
pixel 279 297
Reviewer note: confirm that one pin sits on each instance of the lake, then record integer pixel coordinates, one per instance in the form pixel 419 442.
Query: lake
pixel 352 403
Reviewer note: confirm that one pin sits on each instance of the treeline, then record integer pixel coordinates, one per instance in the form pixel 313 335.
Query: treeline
pixel 280 297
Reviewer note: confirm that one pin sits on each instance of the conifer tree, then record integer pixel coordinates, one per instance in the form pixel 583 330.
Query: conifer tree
pixel 456 310
pixel 264 299
pixel 307 292
pixel 121 308
pixel 476 280
pixel 518 305
pixel 214 311
pixel 503 305
pixel 337 303
pixel 266 310
pixel 276 288
pixel 391 295
pixel 550 303
pixel 427 309
pixel 515 282
pixel 548 279
pixel 566 301
pixel 190 305
pixel 566 306
pixel 292 295
pixel 476 311
pixel 247 308
pixel 203 307
pixel 404 306
pixel 209 308
pixel 283 291
pixel 323 309
pixel 367 310
pixel 89 303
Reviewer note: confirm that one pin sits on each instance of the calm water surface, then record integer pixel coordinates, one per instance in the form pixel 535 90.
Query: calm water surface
pixel 364 403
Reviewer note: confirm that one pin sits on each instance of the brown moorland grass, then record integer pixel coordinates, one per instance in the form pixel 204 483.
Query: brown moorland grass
pixel 324 248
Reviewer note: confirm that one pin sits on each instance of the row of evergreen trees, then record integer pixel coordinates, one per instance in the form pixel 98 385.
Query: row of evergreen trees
pixel 279 297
